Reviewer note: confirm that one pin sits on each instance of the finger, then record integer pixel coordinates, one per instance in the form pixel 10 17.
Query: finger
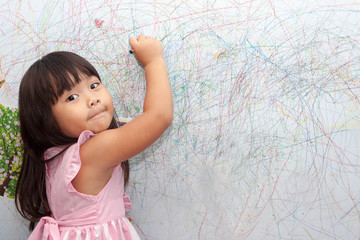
pixel 133 42
pixel 141 37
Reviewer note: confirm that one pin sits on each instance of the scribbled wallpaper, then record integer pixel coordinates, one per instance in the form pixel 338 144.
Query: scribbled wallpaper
pixel 266 131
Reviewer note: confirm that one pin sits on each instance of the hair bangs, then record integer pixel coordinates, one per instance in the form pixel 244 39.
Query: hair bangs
pixel 63 70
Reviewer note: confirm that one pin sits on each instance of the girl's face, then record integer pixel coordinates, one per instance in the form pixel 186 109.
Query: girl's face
pixel 87 106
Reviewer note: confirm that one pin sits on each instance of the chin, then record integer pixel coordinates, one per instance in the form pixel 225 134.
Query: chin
pixel 101 128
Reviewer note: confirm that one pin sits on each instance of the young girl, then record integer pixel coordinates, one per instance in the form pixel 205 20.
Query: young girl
pixel 75 158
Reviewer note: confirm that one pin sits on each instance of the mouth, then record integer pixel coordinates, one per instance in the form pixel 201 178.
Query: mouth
pixel 95 113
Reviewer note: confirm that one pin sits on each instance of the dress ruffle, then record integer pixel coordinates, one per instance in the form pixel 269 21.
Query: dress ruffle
pixel 50 229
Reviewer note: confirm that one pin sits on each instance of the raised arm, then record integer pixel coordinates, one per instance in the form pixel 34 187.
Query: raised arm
pixel 158 98
pixel 103 152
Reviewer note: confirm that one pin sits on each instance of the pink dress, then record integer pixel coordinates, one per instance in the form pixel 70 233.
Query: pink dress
pixel 77 215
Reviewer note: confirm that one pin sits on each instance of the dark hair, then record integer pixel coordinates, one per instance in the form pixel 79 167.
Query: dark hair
pixel 40 88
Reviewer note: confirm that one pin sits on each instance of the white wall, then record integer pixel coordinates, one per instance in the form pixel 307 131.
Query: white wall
pixel 265 138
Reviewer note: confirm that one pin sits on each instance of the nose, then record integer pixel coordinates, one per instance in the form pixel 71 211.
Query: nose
pixel 93 101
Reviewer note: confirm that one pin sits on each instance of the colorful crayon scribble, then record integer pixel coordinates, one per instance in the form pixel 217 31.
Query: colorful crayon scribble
pixel 265 138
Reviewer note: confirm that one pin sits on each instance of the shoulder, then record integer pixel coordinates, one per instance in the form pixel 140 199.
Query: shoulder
pixel 56 151
pixel 64 161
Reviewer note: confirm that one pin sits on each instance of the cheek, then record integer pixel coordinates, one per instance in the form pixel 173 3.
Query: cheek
pixel 111 106
pixel 67 119
pixel 109 102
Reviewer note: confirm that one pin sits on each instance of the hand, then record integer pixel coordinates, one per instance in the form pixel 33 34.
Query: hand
pixel 146 49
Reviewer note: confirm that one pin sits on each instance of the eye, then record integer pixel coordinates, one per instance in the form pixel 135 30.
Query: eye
pixel 71 98
pixel 94 85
